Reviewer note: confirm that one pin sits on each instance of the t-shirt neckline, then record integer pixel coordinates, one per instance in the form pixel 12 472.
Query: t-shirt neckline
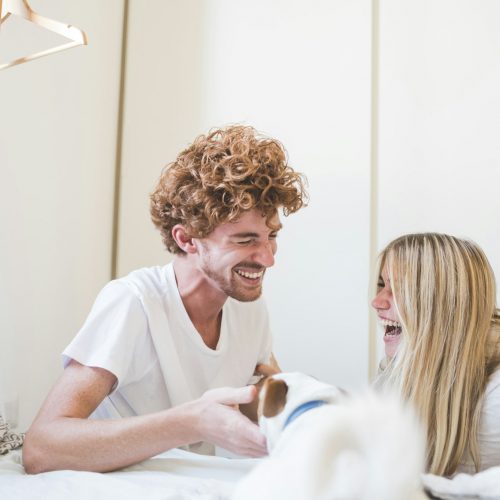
pixel 193 333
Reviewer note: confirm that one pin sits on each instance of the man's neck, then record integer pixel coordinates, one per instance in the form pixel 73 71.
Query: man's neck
pixel 202 301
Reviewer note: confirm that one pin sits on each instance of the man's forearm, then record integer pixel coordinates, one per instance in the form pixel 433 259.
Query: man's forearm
pixel 105 445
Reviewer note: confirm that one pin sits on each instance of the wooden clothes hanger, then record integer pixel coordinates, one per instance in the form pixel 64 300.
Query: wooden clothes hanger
pixel 22 9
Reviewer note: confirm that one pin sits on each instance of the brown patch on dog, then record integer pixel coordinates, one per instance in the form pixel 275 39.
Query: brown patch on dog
pixel 251 410
pixel 274 397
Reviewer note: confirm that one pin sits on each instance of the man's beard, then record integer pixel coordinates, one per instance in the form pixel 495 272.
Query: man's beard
pixel 230 286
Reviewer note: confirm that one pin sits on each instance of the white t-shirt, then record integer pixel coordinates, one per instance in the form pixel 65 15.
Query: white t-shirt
pixel 139 330
pixel 489 428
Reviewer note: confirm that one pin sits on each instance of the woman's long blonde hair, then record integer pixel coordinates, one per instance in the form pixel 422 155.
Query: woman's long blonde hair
pixel 444 292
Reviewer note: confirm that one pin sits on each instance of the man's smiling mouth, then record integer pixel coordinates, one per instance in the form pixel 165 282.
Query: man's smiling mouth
pixel 248 275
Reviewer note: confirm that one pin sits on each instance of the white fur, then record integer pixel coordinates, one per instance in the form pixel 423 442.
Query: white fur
pixel 367 447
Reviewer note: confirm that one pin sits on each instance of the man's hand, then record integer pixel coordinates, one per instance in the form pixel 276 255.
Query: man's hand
pixel 267 370
pixel 221 423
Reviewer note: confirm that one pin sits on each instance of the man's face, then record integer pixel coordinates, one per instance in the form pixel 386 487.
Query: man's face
pixel 235 255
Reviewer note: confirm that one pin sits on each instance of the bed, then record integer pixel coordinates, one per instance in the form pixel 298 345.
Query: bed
pixel 175 474
pixel 181 475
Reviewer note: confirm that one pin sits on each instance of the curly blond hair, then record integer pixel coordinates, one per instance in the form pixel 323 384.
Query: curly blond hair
pixel 221 175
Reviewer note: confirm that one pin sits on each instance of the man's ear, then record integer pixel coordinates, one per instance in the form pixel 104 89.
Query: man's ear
pixel 274 399
pixel 183 239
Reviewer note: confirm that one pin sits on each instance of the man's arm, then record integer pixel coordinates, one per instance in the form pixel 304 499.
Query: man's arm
pixel 62 437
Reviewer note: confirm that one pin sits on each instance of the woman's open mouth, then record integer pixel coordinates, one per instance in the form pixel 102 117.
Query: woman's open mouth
pixel 392 329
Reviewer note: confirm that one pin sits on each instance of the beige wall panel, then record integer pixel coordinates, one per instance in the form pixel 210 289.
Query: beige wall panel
pixel 58 118
pixel 161 115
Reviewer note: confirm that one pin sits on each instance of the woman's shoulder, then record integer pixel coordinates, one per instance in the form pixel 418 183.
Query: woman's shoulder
pixel 488 437
pixel 491 400
pixel 491 405
pixel 493 387
pixel 489 430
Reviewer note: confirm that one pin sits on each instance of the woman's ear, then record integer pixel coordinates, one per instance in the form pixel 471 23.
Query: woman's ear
pixel 183 239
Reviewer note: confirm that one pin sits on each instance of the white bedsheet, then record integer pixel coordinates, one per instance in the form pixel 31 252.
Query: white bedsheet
pixel 181 475
pixel 175 474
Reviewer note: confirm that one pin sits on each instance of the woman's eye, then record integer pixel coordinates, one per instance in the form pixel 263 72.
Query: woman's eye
pixel 244 242
pixel 380 284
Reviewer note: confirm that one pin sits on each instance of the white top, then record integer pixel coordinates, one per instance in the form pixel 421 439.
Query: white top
pixel 489 428
pixel 139 330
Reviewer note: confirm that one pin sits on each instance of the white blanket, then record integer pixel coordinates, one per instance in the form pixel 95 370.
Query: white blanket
pixel 175 474
pixel 484 485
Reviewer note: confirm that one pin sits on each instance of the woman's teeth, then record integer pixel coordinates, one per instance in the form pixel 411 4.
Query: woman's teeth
pixel 391 328
pixel 252 276
pixel 387 322
pixel 393 332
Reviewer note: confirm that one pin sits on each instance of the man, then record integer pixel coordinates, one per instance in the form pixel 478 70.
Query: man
pixel 165 354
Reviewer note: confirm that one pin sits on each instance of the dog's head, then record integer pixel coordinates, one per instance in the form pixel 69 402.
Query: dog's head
pixel 283 394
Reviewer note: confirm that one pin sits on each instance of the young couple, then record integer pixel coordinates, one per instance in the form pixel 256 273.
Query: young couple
pixel 166 355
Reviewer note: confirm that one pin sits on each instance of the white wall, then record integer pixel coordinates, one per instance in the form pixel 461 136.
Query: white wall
pixel 439 149
pixel 57 160
pixel 299 72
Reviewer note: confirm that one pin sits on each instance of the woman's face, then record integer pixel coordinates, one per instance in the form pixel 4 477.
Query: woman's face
pixel 384 304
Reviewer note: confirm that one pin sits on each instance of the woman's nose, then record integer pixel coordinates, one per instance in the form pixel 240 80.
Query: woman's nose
pixel 381 301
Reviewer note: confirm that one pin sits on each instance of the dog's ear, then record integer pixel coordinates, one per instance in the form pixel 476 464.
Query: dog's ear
pixel 274 397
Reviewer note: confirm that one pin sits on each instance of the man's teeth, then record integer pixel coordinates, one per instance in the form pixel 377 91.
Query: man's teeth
pixel 386 322
pixel 253 276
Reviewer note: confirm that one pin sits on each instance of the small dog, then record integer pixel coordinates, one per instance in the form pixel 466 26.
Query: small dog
pixel 326 445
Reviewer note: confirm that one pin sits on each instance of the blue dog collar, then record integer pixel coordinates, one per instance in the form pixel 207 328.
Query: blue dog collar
pixel 303 408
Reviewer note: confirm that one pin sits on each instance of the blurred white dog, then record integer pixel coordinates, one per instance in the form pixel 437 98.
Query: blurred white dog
pixel 325 445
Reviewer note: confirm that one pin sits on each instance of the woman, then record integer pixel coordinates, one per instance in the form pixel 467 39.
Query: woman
pixel 436 301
